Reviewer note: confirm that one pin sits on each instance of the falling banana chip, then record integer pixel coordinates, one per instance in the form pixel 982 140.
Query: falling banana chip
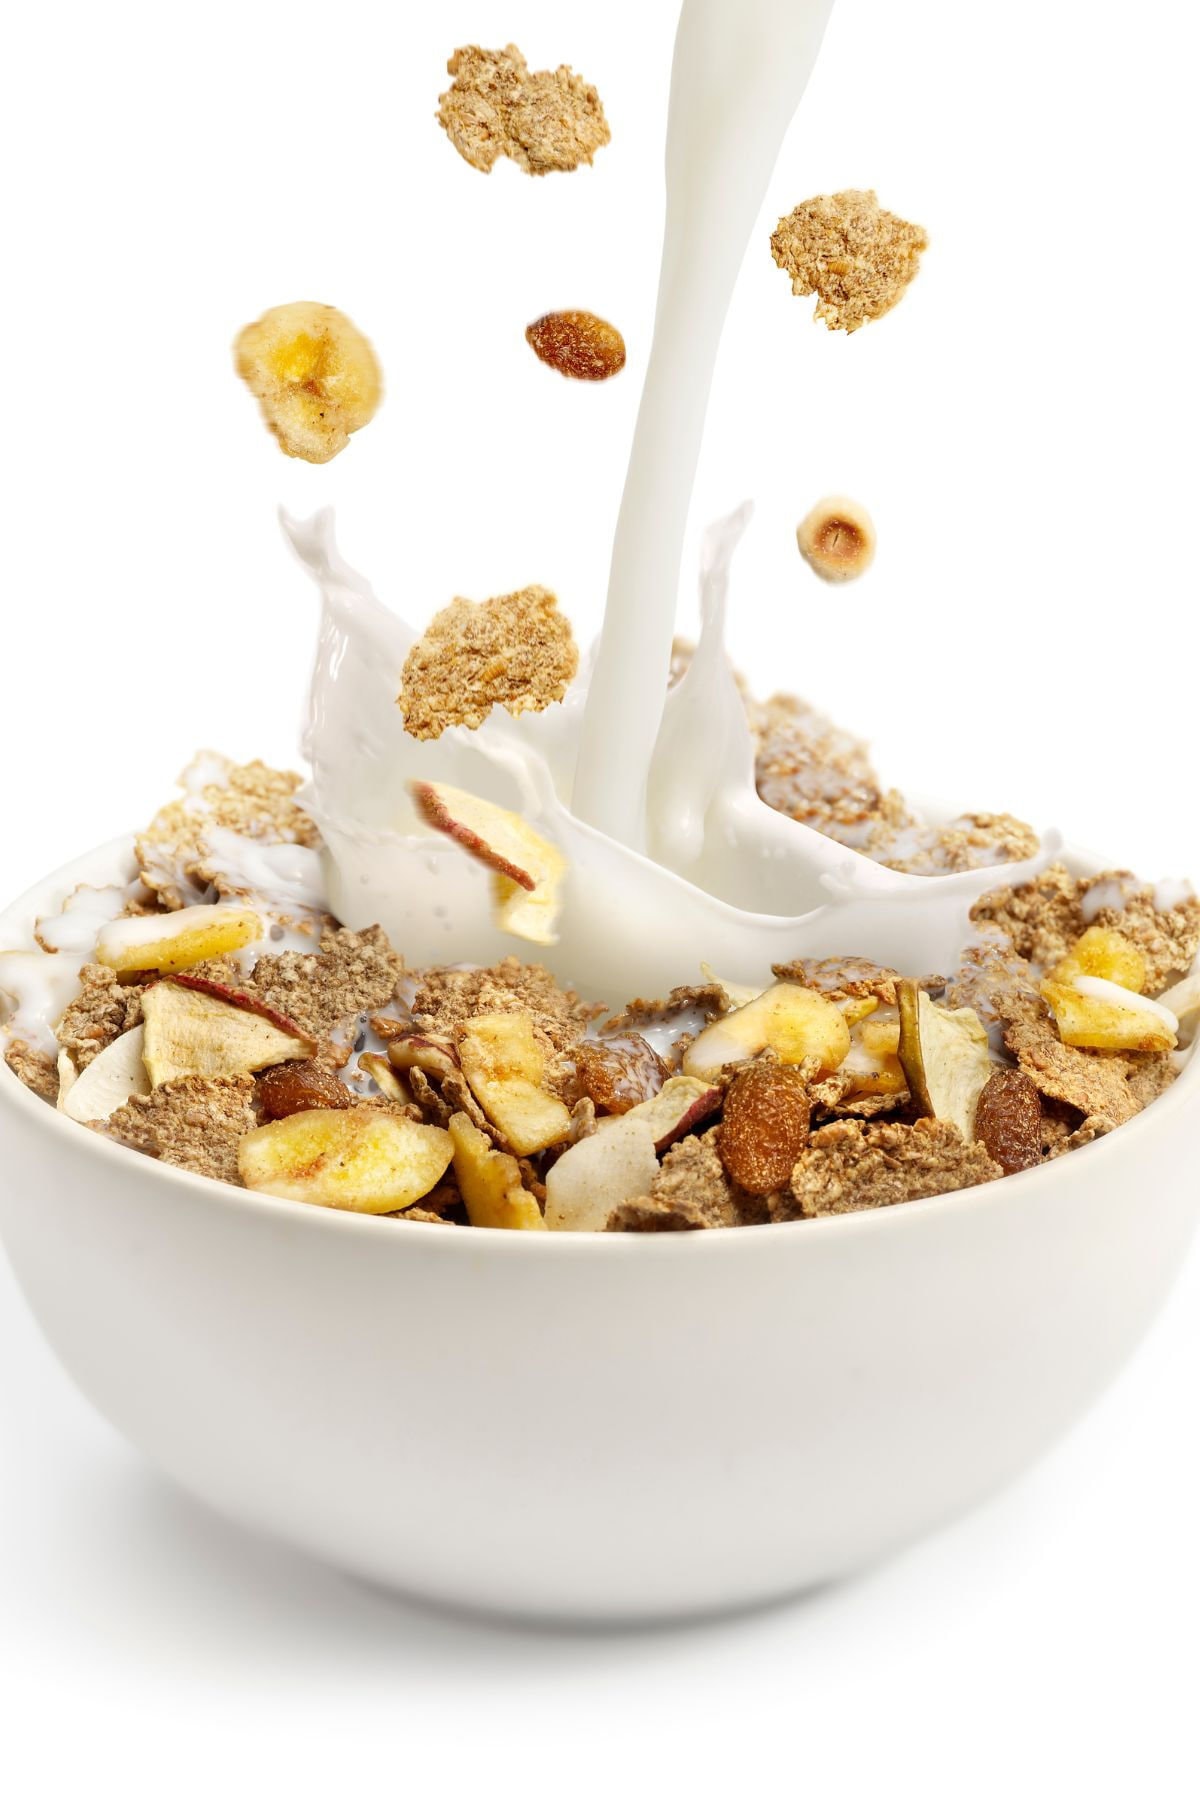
pixel 190 1032
pixel 944 1055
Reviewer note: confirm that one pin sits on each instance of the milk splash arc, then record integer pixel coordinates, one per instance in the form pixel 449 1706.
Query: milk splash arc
pixel 673 859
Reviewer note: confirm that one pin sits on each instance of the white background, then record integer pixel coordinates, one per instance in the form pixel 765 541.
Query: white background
pixel 1021 430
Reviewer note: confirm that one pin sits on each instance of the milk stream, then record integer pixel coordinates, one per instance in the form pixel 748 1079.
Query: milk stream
pixel 739 72
pixel 674 861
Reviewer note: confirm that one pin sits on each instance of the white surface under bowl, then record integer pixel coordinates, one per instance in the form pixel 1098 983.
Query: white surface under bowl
pixel 578 1427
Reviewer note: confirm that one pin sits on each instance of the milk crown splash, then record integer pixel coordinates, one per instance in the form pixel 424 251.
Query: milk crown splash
pixel 673 858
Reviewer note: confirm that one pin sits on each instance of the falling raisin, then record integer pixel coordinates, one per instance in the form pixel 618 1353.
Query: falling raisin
pixel 578 344
pixel 1008 1121
pixel 300 1087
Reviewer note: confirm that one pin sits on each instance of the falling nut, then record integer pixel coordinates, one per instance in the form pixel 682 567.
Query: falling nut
pixel 837 539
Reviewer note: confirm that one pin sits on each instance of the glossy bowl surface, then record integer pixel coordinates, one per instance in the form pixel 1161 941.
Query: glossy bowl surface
pixel 579 1427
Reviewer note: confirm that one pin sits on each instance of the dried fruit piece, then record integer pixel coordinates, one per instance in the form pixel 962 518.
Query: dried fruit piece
pixel 1104 953
pixel 618 1073
pixel 1008 1120
pixel 578 344
pixel 527 869
pixel 764 1127
pixel 545 120
pixel 837 539
pixel 314 374
pixel 599 1174
pixel 195 1028
pixel 362 1160
pixel 945 1057
pixel 390 1085
pixel 681 1104
pixel 797 1023
pixel 1184 998
pixel 176 940
pixel 109 1080
pixel 432 1055
pixel 1092 1014
pixel 506 1066
pixel 300 1087
pixel 515 651
pixel 490 1182
pixel 872 1068
pixel 857 258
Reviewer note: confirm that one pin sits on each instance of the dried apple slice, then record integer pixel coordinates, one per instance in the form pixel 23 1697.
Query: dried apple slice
pixel 391 1085
pixel 110 1079
pixel 599 1174
pixel 505 1067
pixel 1093 1014
pixel 796 1022
pixel 192 1030
pixel 945 1057
pixel 171 941
pixel 528 870
pixel 680 1105
pixel 363 1160
pixel 490 1182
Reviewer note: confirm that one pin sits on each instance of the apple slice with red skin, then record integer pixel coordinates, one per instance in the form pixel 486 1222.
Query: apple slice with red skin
pixel 680 1105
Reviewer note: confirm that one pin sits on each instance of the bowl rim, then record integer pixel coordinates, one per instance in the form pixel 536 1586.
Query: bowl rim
pixel 47 1118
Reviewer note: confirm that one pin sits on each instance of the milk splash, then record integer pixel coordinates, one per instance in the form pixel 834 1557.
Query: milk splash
pixel 674 859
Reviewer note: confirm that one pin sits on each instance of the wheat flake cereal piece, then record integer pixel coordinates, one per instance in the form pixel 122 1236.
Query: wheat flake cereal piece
pixel 1096 1084
pixel 251 800
pixel 1008 1120
pixel 367 1159
pixel 691 1192
pixel 545 121
pixel 857 258
pixel 37 1069
pixel 852 1167
pixel 764 1127
pixel 326 993
pixel 945 1057
pixel 103 1009
pixel 515 650
pixel 314 375
pixel 811 770
pixel 837 539
pixel 577 344
pixel 995 981
pixel 195 1123
pixel 446 999
pixel 490 1182
pixel 971 841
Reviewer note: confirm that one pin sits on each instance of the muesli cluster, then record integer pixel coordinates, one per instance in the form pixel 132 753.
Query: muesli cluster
pixel 211 1013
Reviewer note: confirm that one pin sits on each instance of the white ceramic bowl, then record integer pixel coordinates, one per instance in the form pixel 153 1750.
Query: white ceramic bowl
pixel 590 1427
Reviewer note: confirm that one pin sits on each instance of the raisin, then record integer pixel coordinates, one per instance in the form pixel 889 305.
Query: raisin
pixel 578 344
pixel 618 1073
pixel 765 1127
pixel 300 1087
pixel 1008 1121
